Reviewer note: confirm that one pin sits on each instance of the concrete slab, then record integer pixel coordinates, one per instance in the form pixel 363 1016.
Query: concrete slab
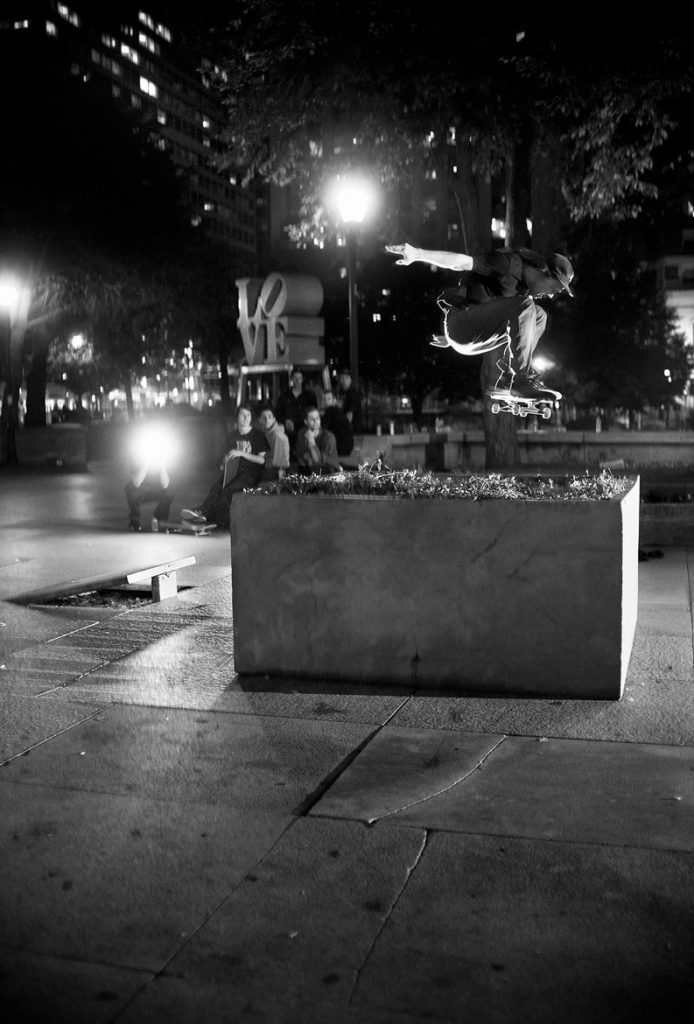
pixel 192 757
pixel 665 581
pixel 572 791
pixel 298 930
pixel 655 713
pixel 403 767
pixel 511 930
pixel 118 879
pixel 28 720
pixel 43 988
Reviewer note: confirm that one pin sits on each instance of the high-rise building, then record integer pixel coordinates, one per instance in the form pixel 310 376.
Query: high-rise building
pixel 132 53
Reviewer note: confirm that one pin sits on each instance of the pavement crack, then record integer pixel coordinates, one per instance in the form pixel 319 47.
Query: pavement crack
pixel 386 917
pixel 310 801
pixel 445 789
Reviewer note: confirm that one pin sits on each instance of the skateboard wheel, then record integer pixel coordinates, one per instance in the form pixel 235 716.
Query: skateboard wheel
pixel 522 413
pixel 546 413
pixel 495 407
pixel 515 411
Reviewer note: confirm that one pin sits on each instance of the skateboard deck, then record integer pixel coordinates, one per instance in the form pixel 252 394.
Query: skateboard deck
pixel 502 401
pixel 183 526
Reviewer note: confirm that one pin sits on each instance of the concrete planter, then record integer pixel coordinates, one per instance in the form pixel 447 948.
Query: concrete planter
pixel 531 597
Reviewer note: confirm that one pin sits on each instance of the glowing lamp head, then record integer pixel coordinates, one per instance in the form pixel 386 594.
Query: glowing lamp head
pixel 354 199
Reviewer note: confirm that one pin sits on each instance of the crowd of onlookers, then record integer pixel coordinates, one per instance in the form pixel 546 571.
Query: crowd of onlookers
pixel 299 435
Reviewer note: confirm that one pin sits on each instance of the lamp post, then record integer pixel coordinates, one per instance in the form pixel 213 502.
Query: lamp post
pixel 353 197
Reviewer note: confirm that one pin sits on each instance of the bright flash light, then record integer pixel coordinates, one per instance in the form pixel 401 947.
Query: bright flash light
pixel 9 293
pixel 154 444
pixel 543 364
pixel 77 341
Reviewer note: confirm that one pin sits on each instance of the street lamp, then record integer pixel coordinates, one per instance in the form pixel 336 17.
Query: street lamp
pixel 353 197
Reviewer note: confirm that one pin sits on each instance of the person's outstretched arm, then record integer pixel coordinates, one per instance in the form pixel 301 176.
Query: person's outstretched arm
pixel 444 260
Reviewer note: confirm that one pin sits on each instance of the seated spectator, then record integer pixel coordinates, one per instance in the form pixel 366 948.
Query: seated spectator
pixel 316 448
pixel 352 403
pixel 149 482
pixel 292 405
pixel 335 420
pixel 277 461
pixel 242 468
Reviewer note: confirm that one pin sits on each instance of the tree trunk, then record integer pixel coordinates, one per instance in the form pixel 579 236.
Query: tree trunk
pixel 36 383
pixel 500 431
pixel 473 196
pixel 224 392
pixel 9 418
pixel 129 404
pixel 518 210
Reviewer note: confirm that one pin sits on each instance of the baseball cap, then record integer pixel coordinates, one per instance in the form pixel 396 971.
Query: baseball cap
pixel 560 268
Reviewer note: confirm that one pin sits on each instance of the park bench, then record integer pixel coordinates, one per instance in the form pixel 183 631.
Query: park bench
pixel 163 577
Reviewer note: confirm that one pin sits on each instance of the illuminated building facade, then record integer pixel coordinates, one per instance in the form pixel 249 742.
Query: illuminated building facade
pixel 134 56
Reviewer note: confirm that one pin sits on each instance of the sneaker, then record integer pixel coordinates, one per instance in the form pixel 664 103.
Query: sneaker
pixel 526 384
pixel 192 515
pixel 534 382
pixel 135 526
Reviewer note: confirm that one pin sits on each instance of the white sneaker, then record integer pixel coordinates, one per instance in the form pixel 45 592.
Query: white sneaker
pixel 191 515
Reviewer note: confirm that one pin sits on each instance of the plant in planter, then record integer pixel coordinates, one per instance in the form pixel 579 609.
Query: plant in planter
pixel 481 583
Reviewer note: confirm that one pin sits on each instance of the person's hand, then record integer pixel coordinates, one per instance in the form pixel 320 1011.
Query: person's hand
pixel 407 251
pixel 440 341
pixel 311 436
pixel 289 426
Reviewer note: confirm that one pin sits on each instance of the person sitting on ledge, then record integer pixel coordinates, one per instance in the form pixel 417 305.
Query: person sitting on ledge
pixel 316 448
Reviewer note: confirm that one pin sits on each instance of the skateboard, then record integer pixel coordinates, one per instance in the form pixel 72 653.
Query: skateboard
pixel 197 529
pixel 502 401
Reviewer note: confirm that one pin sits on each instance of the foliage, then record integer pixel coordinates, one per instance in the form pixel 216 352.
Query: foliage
pixel 617 338
pixel 407 483
pixel 317 87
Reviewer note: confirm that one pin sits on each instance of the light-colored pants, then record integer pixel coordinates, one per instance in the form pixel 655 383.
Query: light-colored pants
pixel 517 321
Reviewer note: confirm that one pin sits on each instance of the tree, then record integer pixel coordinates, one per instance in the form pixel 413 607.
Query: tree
pixel 558 111
pixel 618 338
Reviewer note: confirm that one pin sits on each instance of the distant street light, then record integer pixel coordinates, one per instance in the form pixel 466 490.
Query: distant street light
pixel 354 198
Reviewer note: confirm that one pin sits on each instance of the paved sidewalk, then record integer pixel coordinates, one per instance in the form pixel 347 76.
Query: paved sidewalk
pixel 181 845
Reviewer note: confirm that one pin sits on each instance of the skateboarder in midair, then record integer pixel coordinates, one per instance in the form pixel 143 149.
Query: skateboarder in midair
pixel 494 306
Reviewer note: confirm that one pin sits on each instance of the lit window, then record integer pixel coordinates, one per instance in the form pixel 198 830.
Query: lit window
pixel 148 87
pixel 21 24
pixel 149 44
pixel 161 144
pixel 135 100
pixel 163 31
pixel 65 12
pixel 109 41
pixel 145 19
pixel 127 51
pixel 205 121
pixel 96 57
pixel 161 116
pixel 209 207
pixel 115 91
pixel 51 29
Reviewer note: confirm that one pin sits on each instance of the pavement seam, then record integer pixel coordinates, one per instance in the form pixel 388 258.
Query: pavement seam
pixel 307 805
pixel 47 739
pixel 396 899
pixel 688 563
pixel 446 789
pixel 160 972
